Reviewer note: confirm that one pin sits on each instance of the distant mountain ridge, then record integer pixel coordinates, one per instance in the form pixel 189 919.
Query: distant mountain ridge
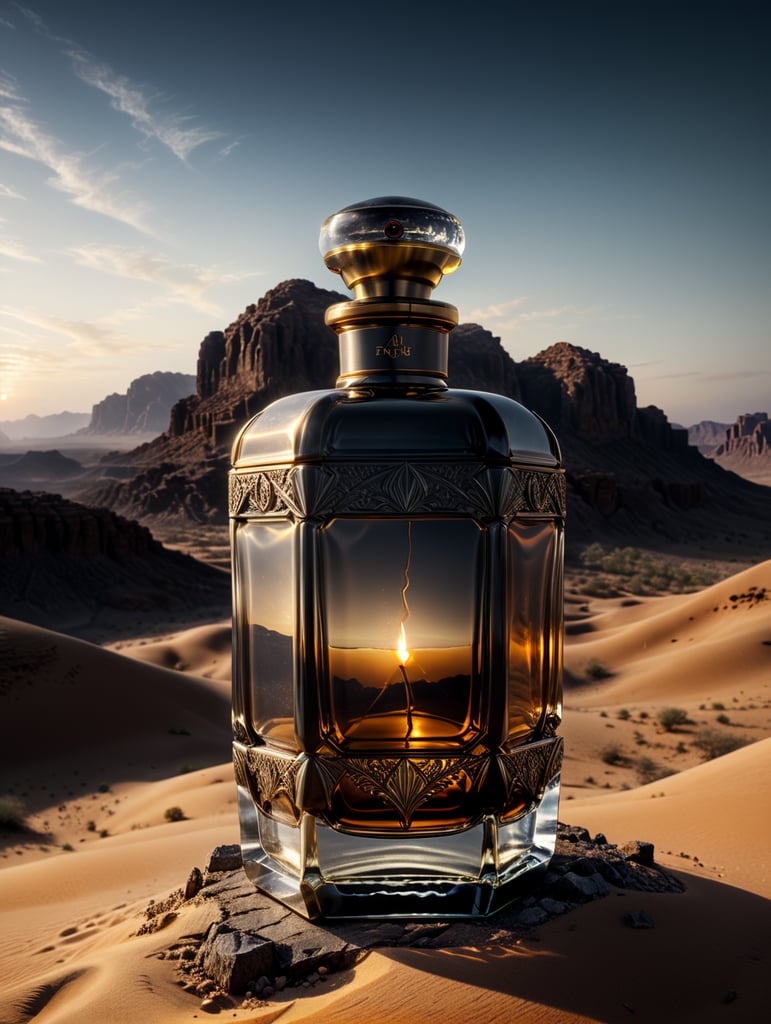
pixel 56 425
pixel 144 408
pixel 632 476
pixel 707 435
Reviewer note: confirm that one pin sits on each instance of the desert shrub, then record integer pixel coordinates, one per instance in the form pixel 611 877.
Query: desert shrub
pixel 671 718
pixel 715 743
pixel 645 573
pixel 174 814
pixel 611 754
pixel 723 719
pixel 598 587
pixel 104 787
pixel 718 705
pixel 649 771
pixel 623 714
pixel 12 812
pixel 594 669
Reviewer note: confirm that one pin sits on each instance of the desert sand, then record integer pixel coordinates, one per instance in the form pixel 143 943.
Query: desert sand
pixel 100 742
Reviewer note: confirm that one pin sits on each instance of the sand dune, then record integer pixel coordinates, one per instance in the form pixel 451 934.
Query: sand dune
pixel 107 737
pixel 715 643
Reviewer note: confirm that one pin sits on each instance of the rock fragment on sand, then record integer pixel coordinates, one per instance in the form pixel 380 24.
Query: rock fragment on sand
pixel 224 858
pixel 231 958
pixel 260 947
pixel 194 884
pixel 639 852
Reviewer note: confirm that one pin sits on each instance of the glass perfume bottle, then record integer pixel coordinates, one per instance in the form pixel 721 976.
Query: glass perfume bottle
pixel 397 595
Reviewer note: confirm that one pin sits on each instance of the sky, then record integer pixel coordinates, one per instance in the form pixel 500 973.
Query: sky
pixel 164 164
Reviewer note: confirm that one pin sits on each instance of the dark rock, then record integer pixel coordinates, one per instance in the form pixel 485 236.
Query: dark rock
pixel 477 360
pixel 232 958
pixel 639 852
pixel 574 834
pixel 531 916
pixel 225 858
pixel 579 888
pixel 193 884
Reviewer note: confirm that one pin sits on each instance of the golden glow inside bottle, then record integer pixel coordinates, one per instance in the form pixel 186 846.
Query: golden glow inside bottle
pixel 397 597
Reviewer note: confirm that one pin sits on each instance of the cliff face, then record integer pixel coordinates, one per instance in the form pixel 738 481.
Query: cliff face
pixel 68 566
pixel 577 389
pixel 277 346
pixel 145 407
pixel 746 448
pixel 749 437
pixel 631 475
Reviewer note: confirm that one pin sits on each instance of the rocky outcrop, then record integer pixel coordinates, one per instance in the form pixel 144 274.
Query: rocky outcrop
pixel 749 437
pixel 275 347
pixel 33 522
pixel 255 947
pixel 574 388
pixel 478 360
pixel 145 407
pixel 746 448
pixel 68 566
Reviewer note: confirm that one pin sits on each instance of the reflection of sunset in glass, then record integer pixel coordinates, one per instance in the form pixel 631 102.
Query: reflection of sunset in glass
pixel 402 651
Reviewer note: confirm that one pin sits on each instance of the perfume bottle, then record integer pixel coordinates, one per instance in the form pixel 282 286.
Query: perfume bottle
pixel 397 553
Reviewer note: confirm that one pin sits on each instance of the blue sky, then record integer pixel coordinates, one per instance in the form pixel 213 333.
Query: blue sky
pixel 164 164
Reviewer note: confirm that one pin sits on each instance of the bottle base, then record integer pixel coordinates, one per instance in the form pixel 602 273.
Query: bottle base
pixel 319 872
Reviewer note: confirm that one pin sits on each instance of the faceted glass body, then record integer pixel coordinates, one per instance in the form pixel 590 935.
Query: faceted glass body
pixel 397 566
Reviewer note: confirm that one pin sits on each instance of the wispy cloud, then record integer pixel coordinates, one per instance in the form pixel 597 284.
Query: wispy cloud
pixel 500 312
pixel 9 193
pixel 185 282
pixel 92 338
pixel 175 131
pixel 512 315
pixel 87 187
pixel 14 250
pixel 740 375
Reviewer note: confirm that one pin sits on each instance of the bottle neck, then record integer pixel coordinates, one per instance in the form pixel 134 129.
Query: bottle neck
pixel 393 355
pixel 392 341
